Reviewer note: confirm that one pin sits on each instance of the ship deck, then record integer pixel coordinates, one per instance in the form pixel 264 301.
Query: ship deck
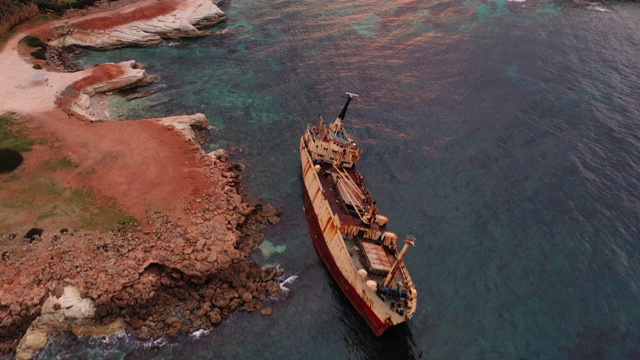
pixel 362 251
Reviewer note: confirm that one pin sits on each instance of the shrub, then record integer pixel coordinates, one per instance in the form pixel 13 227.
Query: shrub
pixel 39 54
pixel 33 41
pixel 37 66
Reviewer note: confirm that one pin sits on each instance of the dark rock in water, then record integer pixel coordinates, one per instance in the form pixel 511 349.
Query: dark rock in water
pixel 139 95
pixel 271 214
pixel 268 273
pixel 33 233
pixel 10 160
pixel 273 287
pixel 266 311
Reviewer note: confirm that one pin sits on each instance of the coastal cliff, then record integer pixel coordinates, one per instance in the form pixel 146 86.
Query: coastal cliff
pixel 166 19
pixel 183 264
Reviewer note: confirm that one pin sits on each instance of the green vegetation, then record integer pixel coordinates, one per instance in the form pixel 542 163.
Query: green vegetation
pixel 15 12
pixel 13 133
pixel 39 54
pixel 35 42
pixel 59 6
pixel 47 198
pixel 64 163
pixel 37 66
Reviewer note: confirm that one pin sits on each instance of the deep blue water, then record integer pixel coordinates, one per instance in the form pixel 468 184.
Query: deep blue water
pixel 504 135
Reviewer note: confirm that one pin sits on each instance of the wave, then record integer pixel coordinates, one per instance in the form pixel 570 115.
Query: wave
pixel 598 7
pixel 199 333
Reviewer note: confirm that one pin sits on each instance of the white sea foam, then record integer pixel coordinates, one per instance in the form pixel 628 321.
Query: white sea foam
pixel 155 343
pixel 290 280
pixel 199 333
pixel 598 7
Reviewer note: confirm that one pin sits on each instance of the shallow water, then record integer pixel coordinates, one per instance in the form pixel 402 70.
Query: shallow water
pixel 504 135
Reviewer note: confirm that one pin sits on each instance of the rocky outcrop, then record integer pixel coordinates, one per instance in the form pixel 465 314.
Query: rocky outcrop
pixel 186 124
pixel 132 75
pixel 174 275
pixel 182 20
pixel 67 312
pixel 77 98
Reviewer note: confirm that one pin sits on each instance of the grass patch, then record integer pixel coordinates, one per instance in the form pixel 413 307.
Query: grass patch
pixel 46 198
pixel 13 133
pixel 64 163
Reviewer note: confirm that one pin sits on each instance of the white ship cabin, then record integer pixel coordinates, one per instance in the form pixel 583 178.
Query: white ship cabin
pixel 331 143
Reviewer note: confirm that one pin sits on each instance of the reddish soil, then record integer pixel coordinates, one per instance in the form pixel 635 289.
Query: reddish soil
pixel 144 12
pixel 99 74
pixel 140 164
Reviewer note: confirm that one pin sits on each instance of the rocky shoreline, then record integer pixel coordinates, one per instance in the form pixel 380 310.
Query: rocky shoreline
pixel 181 269
pixel 166 278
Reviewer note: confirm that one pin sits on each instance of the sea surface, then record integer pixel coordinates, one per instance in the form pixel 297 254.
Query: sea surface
pixel 504 135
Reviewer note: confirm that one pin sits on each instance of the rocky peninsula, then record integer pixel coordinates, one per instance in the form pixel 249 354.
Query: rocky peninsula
pixel 179 262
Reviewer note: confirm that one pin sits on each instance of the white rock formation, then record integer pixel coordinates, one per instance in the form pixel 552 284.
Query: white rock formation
pixel 182 22
pixel 80 103
pixel 69 312
pixel 133 76
pixel 186 123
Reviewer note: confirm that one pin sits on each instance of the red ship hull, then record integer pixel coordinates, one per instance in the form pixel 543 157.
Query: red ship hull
pixel 377 325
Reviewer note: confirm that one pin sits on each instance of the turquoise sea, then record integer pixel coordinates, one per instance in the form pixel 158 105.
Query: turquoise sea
pixel 504 135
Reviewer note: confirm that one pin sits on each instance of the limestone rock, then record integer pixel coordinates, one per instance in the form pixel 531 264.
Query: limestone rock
pixel 68 312
pixel 186 124
pixel 182 22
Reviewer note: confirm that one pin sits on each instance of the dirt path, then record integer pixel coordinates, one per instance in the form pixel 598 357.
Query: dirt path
pixel 134 164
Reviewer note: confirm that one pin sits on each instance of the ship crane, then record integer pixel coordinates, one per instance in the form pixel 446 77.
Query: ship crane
pixel 409 241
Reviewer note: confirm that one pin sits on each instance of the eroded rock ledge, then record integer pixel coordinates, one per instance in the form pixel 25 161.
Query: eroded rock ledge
pixel 146 27
pixel 78 99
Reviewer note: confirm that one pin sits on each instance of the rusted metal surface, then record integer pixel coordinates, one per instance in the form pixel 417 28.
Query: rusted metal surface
pixel 332 223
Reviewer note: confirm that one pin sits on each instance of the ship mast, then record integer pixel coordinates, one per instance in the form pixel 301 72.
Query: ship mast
pixel 337 123
pixel 408 241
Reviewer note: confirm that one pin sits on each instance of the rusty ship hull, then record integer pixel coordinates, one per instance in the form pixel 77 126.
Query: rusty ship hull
pixel 359 252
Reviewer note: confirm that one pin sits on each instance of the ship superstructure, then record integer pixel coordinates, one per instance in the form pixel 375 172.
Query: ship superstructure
pixel 348 232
